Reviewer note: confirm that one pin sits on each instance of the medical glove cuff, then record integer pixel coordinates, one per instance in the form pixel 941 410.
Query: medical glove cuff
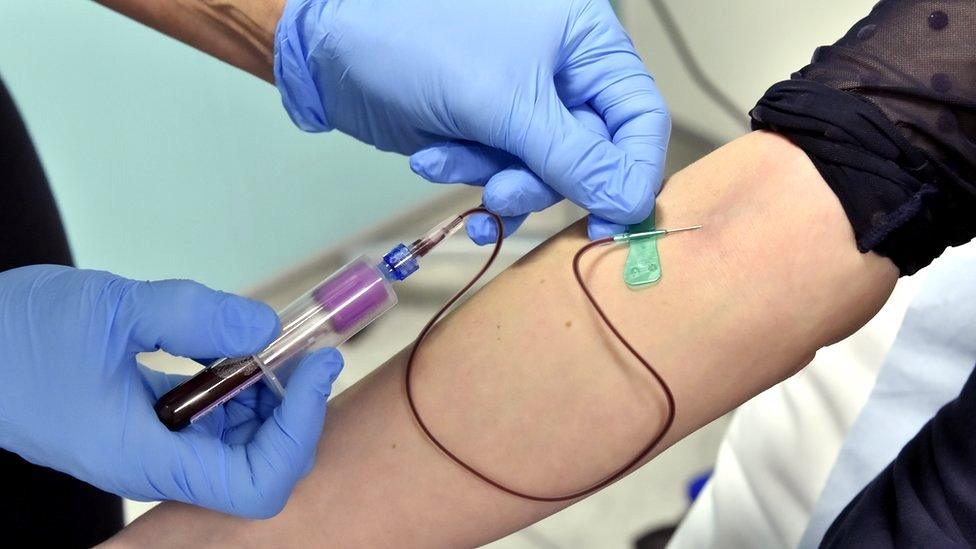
pixel 296 31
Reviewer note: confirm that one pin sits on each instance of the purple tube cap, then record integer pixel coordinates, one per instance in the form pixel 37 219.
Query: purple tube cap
pixel 354 294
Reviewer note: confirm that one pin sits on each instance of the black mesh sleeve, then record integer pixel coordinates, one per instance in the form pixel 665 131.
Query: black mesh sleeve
pixel 888 116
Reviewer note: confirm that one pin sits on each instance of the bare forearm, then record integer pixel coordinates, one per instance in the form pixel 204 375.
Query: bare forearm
pixel 240 32
pixel 525 384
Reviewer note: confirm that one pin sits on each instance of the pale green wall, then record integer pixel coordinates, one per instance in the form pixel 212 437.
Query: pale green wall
pixel 167 163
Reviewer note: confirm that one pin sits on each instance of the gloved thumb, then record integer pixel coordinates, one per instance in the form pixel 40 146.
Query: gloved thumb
pixel 584 166
pixel 186 318
pixel 288 440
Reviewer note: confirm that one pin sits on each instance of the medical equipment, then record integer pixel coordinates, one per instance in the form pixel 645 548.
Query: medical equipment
pixel 665 389
pixel 643 261
pixel 325 316
pixel 359 293
pixel 500 121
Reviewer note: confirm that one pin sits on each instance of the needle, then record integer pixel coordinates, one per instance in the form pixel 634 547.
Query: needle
pixel 626 237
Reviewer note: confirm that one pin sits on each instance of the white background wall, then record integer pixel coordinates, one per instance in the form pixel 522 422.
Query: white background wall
pixel 745 46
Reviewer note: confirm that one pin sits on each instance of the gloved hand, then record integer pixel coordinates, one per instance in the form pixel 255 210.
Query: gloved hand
pixel 73 397
pixel 463 84
pixel 493 164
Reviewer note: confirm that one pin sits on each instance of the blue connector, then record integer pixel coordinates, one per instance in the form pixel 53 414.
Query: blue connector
pixel 399 263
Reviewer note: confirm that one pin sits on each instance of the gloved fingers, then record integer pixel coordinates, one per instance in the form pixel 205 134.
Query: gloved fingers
pixel 186 318
pixel 249 406
pixel 253 396
pixel 459 162
pixel 158 382
pixel 590 120
pixel 516 191
pixel 511 189
pixel 483 230
pixel 220 466
pixel 635 115
pixel 245 414
pixel 302 412
pixel 475 164
pixel 250 402
pixel 597 228
pixel 603 68
pixel 287 440
pixel 605 71
pixel 586 168
pixel 466 162
pixel 247 411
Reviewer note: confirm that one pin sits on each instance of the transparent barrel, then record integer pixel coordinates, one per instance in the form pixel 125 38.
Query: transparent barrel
pixel 325 316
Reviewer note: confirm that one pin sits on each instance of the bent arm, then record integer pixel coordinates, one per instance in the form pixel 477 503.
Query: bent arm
pixel 239 32
pixel 524 383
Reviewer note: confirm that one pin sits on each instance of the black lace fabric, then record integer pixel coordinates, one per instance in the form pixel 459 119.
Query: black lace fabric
pixel 888 116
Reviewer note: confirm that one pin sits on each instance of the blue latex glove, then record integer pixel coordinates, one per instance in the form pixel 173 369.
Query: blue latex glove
pixel 73 397
pixel 484 160
pixel 449 81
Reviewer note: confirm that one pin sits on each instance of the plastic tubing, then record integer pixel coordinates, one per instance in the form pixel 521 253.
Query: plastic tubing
pixel 618 473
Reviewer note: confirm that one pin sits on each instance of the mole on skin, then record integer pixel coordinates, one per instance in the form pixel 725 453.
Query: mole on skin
pixel 569 323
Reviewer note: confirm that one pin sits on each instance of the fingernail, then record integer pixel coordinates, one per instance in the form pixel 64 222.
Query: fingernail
pixel 507 195
pixel 634 203
pixel 334 362
pixel 247 326
pixel 499 202
pixel 600 228
pixel 481 230
pixel 334 373
pixel 427 162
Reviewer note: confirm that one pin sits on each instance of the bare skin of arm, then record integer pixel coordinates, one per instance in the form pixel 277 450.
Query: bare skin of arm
pixel 526 384
pixel 239 32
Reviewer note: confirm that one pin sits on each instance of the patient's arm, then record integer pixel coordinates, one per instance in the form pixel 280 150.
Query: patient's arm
pixel 239 32
pixel 525 383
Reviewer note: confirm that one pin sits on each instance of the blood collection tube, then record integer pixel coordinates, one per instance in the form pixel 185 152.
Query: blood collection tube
pixel 325 316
